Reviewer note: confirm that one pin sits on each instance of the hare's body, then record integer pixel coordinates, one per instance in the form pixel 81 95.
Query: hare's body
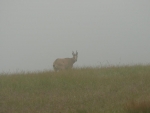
pixel 65 63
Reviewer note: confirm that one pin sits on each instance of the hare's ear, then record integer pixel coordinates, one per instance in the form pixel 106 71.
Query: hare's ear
pixel 76 53
pixel 72 53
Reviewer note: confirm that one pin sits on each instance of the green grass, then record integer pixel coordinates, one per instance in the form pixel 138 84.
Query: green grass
pixel 82 90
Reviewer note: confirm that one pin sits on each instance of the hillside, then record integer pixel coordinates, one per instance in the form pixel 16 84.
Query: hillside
pixel 82 90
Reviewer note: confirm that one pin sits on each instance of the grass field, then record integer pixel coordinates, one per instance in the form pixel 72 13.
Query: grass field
pixel 84 90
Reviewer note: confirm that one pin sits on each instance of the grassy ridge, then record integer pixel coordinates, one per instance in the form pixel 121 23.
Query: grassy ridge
pixel 83 90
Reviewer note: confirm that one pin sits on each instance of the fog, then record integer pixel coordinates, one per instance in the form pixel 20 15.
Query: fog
pixel 33 33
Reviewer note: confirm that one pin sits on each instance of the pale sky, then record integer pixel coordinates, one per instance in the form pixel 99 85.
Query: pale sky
pixel 33 33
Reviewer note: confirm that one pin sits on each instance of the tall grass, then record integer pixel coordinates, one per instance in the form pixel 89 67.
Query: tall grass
pixel 81 90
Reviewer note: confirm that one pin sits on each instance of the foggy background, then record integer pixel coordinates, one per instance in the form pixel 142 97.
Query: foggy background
pixel 33 33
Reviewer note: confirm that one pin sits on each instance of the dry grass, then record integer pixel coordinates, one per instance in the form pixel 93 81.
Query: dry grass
pixel 138 106
pixel 82 90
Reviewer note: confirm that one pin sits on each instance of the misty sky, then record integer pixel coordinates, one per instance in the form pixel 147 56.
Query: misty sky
pixel 33 33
